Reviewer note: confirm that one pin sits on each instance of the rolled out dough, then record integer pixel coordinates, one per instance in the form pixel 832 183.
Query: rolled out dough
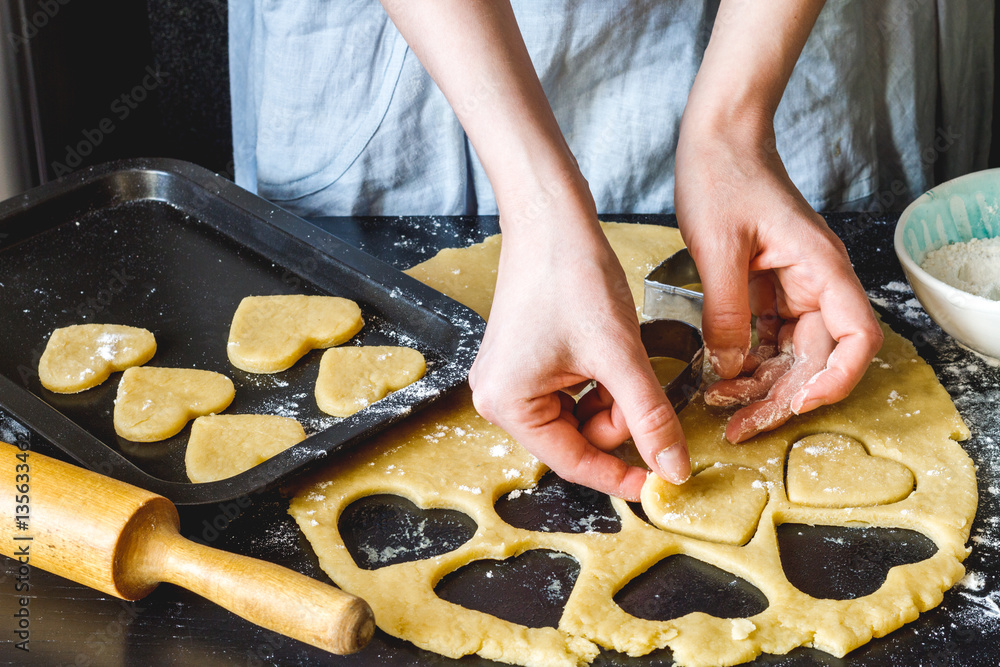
pixel 826 470
pixel 82 356
pixel 448 457
pixel 270 333
pixel 222 446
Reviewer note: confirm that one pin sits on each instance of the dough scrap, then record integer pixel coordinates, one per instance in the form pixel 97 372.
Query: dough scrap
pixel 82 356
pixel 352 378
pixel 830 470
pixel 720 504
pixel 448 457
pixel 155 403
pixel 223 446
pixel 270 333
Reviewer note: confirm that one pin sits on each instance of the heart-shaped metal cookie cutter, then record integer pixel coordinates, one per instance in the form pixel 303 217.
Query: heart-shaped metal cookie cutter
pixel 669 292
pixel 673 329
pixel 677 340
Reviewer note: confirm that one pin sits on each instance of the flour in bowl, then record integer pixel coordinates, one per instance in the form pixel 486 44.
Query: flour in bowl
pixel 971 266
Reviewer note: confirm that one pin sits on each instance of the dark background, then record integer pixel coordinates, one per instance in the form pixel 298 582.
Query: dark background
pixel 86 54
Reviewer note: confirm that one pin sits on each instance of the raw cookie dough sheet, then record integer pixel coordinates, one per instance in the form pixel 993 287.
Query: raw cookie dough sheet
pixel 940 423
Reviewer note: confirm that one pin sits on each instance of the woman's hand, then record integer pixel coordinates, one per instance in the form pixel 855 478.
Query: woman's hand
pixel 562 316
pixel 761 249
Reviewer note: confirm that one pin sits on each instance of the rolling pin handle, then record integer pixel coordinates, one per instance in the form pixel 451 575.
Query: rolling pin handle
pixel 266 594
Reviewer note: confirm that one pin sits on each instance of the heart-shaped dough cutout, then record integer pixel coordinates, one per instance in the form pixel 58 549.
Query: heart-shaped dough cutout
pixel 831 470
pixel 352 378
pixel 155 403
pixel 82 356
pixel 270 333
pixel 222 446
pixel 720 504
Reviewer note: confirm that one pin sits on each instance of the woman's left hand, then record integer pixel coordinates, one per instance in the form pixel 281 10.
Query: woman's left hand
pixel 761 250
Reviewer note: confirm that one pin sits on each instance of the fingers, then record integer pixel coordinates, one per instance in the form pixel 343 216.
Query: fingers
pixel 812 346
pixel 758 355
pixel 848 316
pixel 602 422
pixel 775 409
pixel 576 460
pixel 566 406
pixel 746 390
pixel 726 310
pixel 649 419
pixel 592 402
pixel 646 414
pixel 547 427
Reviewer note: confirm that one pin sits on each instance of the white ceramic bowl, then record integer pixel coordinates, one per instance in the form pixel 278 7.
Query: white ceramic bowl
pixel 959 210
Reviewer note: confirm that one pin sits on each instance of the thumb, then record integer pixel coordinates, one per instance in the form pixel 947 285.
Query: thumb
pixel 725 317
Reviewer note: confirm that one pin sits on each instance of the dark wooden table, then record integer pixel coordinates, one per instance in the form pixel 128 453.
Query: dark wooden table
pixel 72 625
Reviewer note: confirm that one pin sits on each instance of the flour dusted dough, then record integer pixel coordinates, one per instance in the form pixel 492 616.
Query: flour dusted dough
pixel 222 446
pixel 155 403
pixel 720 504
pixel 352 378
pixel 82 356
pixel 270 333
pixel 447 457
pixel 827 470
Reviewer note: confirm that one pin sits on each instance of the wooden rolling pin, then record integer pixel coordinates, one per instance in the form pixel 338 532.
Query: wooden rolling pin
pixel 124 541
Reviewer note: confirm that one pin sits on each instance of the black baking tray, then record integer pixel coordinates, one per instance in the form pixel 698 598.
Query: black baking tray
pixel 173 247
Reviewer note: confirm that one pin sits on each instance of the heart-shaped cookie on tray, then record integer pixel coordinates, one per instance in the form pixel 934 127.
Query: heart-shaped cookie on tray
pixel 352 378
pixel 832 470
pixel 222 446
pixel 270 333
pixel 155 403
pixel 720 504
pixel 82 356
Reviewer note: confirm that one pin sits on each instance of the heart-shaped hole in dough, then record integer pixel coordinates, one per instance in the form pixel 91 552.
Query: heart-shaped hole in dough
pixel 558 506
pixel 352 378
pixel 530 589
pixel 270 333
pixel 679 585
pixel 832 470
pixel 383 530
pixel 155 403
pixel 82 356
pixel 844 563
pixel 222 446
pixel 720 504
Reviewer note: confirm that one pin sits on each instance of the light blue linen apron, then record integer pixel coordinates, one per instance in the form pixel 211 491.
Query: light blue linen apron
pixel 334 115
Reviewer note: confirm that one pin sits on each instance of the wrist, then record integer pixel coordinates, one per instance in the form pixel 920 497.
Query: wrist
pixel 546 197
pixel 738 122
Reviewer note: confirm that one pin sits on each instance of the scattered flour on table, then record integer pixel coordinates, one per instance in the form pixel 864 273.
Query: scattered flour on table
pixel 973 581
pixel 971 266
pixel 11 431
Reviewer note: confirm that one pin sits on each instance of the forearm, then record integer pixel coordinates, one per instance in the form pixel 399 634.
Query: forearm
pixel 749 59
pixel 474 51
